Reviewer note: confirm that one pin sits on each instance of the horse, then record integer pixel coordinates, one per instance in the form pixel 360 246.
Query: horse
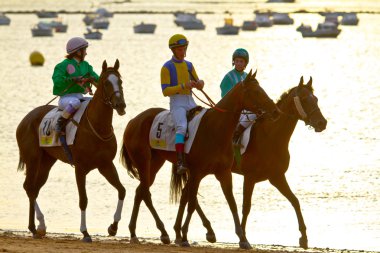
pixel 95 147
pixel 267 155
pixel 211 153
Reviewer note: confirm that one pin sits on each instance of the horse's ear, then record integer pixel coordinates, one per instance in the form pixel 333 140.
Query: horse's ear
pixel 310 82
pixel 301 81
pixel 254 74
pixel 117 64
pixel 104 66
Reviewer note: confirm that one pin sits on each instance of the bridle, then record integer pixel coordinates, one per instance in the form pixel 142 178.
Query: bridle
pixel 105 98
pixel 303 115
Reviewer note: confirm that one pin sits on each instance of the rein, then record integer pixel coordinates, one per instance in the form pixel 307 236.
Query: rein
pixel 109 137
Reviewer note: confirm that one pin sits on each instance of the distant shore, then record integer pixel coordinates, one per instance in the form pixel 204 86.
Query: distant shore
pixel 17 241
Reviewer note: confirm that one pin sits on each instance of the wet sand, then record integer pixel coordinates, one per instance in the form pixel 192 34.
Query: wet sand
pixel 11 241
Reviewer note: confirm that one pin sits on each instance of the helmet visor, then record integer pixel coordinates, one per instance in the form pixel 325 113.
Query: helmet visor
pixel 178 43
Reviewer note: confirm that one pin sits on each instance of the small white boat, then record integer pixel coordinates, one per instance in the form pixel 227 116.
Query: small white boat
pixel 324 30
pixel 100 23
pixel 4 20
pixel 196 24
pixel 103 12
pixel 182 17
pixel 144 28
pixel 263 20
pixel 228 28
pixel 350 19
pixel 47 14
pixel 58 26
pixel 93 35
pixel 42 30
pixel 282 19
pixel 249 26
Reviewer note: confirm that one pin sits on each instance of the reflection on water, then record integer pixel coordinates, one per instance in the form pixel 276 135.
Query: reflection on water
pixel 335 174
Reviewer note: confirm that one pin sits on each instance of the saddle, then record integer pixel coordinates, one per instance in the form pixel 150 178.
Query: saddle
pixel 190 114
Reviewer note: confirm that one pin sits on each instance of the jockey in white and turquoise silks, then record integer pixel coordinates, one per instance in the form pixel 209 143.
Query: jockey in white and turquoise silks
pixel 240 60
pixel 72 78
pixel 176 83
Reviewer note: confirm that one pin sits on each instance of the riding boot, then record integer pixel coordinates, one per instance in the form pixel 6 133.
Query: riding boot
pixel 60 127
pixel 237 134
pixel 181 163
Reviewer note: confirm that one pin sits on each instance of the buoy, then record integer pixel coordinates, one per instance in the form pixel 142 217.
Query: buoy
pixel 36 59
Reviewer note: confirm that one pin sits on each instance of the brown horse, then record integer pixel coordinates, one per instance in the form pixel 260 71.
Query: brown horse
pixel 211 152
pixel 95 147
pixel 267 155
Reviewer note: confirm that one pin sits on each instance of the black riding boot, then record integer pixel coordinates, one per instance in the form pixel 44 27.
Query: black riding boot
pixel 60 127
pixel 237 134
pixel 181 163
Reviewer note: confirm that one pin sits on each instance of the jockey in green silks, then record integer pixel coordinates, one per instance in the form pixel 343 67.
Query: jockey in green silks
pixel 240 59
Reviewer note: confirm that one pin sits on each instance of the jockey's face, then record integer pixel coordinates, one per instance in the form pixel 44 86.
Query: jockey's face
pixel 81 54
pixel 180 52
pixel 240 64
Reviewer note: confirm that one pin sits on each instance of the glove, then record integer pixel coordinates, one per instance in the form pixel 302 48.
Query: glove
pixel 76 79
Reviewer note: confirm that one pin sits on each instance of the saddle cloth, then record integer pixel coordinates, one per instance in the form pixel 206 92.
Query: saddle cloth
pixel 245 139
pixel 162 131
pixel 46 130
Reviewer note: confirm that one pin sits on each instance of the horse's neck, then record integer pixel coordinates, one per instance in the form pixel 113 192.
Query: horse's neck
pixel 283 128
pixel 227 120
pixel 99 113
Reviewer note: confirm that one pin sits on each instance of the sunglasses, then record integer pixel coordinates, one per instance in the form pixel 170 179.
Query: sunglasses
pixel 180 42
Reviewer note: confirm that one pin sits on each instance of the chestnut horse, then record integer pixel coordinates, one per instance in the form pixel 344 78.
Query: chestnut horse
pixel 267 155
pixel 95 147
pixel 211 152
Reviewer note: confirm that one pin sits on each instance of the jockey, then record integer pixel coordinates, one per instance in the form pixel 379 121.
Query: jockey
pixel 178 77
pixel 240 59
pixel 72 78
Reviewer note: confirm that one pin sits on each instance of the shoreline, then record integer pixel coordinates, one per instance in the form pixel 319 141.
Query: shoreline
pixel 22 241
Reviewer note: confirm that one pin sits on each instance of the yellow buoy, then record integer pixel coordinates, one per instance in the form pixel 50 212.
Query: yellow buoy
pixel 36 59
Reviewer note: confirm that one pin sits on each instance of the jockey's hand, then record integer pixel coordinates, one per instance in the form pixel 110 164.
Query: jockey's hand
pixel 199 84
pixel 77 79
pixel 190 84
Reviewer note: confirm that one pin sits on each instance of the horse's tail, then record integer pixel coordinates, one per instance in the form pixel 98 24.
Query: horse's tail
pixel 177 183
pixel 127 163
pixel 21 165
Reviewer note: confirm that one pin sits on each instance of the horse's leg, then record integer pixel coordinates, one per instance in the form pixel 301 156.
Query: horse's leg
pixel 248 187
pixel 282 185
pixel 46 163
pixel 80 176
pixel 193 185
pixel 210 235
pixel 135 213
pixel 225 179
pixel 110 173
pixel 155 164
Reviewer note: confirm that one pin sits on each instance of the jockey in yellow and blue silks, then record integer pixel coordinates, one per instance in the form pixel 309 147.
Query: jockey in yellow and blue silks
pixel 72 78
pixel 240 59
pixel 176 83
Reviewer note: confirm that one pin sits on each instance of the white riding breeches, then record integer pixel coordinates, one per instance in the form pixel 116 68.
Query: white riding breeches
pixel 70 103
pixel 179 105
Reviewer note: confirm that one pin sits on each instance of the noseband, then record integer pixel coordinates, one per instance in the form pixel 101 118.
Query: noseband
pixel 305 116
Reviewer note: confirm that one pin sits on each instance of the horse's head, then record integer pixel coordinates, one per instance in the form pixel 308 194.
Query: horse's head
pixel 111 85
pixel 306 106
pixel 255 99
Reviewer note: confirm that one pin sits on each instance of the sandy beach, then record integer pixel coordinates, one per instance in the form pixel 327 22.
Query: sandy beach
pixel 14 241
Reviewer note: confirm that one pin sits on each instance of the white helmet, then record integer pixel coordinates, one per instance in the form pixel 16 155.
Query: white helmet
pixel 76 43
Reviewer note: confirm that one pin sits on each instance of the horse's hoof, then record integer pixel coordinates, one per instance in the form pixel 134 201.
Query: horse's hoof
pixel 37 236
pixel 112 231
pixel 86 239
pixel 41 232
pixel 185 244
pixel 210 237
pixel 134 240
pixel 178 241
pixel 303 242
pixel 245 245
pixel 165 239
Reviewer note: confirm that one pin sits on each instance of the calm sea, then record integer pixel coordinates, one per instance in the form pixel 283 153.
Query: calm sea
pixel 335 174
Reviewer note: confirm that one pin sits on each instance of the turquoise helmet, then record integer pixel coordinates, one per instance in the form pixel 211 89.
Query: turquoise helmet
pixel 242 53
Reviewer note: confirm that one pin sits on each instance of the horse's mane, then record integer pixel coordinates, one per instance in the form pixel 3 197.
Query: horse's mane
pixel 286 93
